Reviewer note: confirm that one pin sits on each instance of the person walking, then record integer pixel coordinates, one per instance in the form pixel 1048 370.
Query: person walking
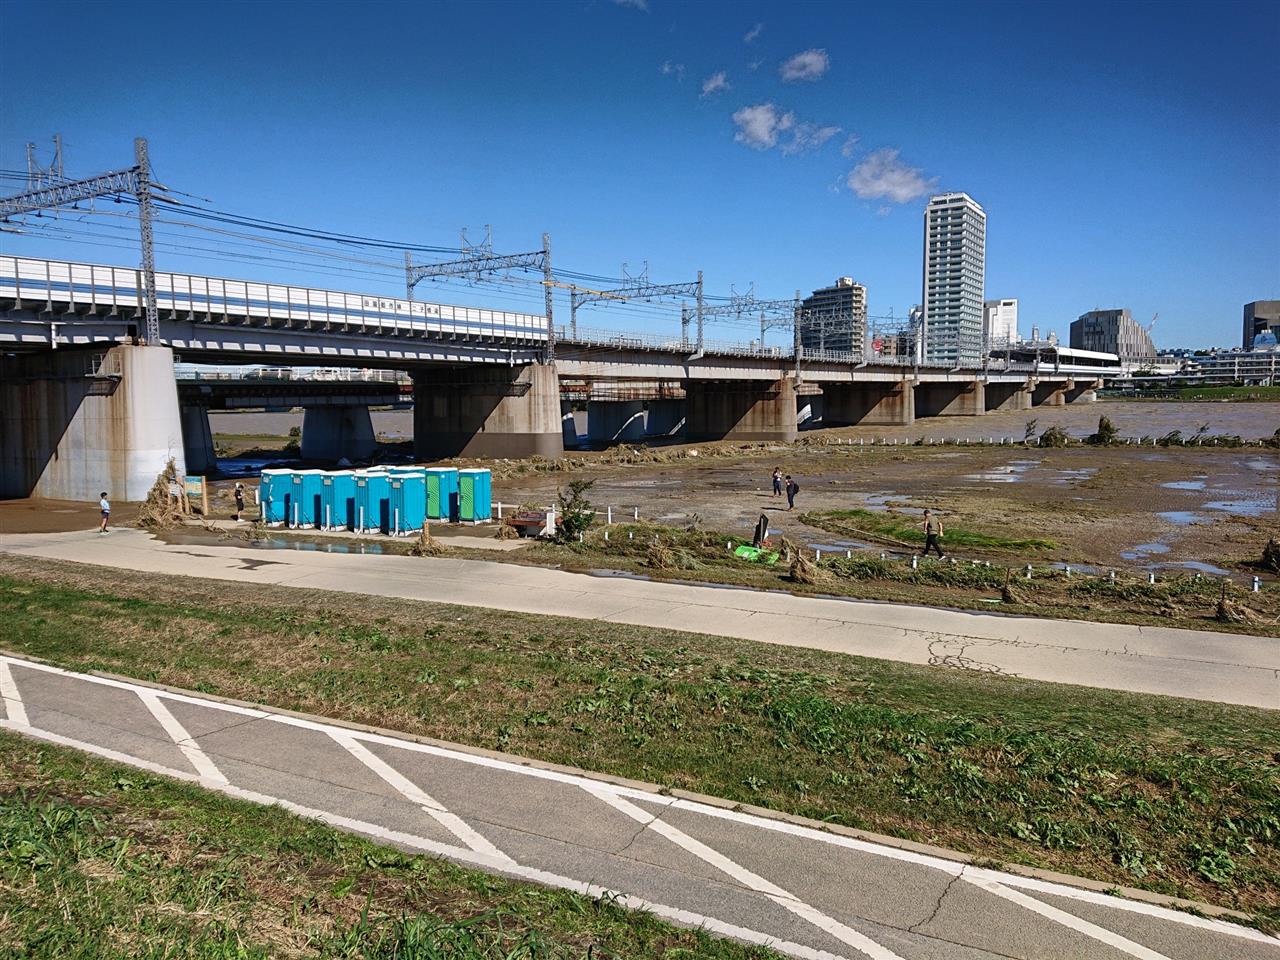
pixel 104 506
pixel 792 489
pixel 239 491
pixel 777 481
pixel 932 527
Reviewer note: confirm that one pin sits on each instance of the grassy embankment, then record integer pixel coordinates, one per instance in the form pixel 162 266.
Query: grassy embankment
pixel 99 860
pixel 1246 394
pixel 1176 796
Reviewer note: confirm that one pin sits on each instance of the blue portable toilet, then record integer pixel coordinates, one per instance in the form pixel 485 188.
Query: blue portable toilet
pixel 373 507
pixel 442 493
pixel 306 508
pixel 475 497
pixel 338 497
pixel 408 502
pixel 274 493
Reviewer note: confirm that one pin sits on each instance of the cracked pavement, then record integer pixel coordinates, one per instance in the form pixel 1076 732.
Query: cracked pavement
pixel 808 892
pixel 1202 665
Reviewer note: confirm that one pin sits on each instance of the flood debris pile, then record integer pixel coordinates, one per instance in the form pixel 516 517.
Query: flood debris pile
pixel 162 510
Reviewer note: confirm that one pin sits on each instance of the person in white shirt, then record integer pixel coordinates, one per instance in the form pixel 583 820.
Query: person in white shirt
pixel 105 506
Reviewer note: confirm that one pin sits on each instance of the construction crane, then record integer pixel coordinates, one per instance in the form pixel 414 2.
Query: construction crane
pixel 1154 318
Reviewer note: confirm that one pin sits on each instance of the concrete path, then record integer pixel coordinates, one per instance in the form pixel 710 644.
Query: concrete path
pixel 1202 665
pixel 807 892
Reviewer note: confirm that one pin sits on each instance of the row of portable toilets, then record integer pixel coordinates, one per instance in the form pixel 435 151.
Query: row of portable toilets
pixel 391 500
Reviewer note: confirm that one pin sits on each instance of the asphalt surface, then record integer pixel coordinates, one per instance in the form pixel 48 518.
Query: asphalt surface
pixel 807 892
pixel 1202 665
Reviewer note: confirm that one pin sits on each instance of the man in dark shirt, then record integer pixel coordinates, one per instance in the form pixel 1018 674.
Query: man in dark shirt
pixel 792 489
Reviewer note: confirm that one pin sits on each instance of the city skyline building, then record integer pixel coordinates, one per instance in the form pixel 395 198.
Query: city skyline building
pixel 1000 323
pixel 1112 331
pixel 1260 316
pixel 955 250
pixel 834 318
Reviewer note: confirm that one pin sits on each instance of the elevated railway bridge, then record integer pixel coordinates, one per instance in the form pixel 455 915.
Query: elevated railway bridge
pixel 85 405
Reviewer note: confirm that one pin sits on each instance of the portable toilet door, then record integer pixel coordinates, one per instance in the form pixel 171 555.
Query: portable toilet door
pixel 442 493
pixel 311 509
pixel 343 514
pixel 274 495
pixel 337 495
pixel 408 503
pixel 474 497
pixel 373 513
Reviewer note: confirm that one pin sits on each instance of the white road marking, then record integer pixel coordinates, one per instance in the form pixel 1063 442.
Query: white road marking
pixel 462 855
pixel 949 867
pixel 14 709
pixel 178 733
pixel 415 794
pixel 1080 925
pixel 863 944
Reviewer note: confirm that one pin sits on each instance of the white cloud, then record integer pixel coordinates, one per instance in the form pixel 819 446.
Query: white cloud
pixel 754 33
pixel 884 210
pixel 641 5
pixel 756 64
pixel 850 146
pixel 669 69
pixel 759 125
pixel 882 176
pixel 806 65
pixel 716 83
pixel 808 136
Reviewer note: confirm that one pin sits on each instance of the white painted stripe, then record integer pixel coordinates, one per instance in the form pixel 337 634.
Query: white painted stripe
pixel 14 709
pixel 863 944
pixel 415 794
pixel 1080 925
pixel 461 855
pixel 950 867
pixel 207 769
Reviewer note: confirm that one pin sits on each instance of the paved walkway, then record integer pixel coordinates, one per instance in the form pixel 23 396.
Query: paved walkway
pixel 1202 665
pixel 807 892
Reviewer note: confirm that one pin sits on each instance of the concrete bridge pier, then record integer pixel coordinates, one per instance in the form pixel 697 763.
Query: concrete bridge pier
pixel 1007 397
pixel 75 422
pixel 889 403
pixel 810 411
pixel 963 399
pixel 335 432
pixel 569 425
pixel 664 418
pixel 1083 391
pixel 616 421
pixel 741 410
pixel 1050 393
pixel 197 439
pixel 487 411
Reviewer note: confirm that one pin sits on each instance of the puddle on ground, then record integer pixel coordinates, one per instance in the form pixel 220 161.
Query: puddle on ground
pixel 1181 518
pixel 1244 507
pixel 1144 550
pixel 1196 565
pixel 1184 485
pixel 1258 463
pixel 178 538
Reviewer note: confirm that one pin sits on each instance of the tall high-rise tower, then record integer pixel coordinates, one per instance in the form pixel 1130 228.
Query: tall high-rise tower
pixel 834 319
pixel 955 253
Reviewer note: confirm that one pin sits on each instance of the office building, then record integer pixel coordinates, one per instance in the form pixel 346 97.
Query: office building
pixel 999 324
pixel 1112 331
pixel 955 253
pixel 834 319
pixel 1261 316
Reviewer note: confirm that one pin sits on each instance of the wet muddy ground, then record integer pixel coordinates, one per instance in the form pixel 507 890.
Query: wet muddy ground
pixel 1188 509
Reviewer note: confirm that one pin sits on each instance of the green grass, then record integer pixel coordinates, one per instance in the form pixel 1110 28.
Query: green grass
pixel 1176 796
pixel 907 529
pixel 102 861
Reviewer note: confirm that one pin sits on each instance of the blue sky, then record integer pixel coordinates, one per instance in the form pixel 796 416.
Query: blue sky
pixel 1125 153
